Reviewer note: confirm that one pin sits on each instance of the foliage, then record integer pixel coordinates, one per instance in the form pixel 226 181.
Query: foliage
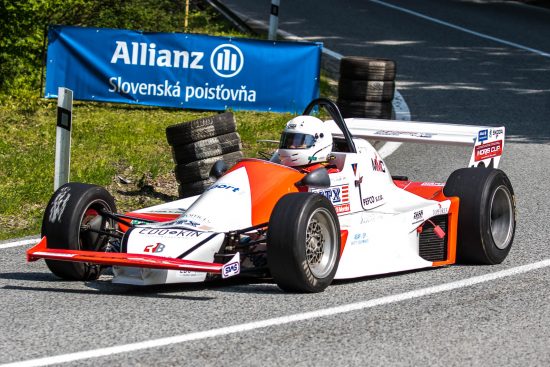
pixel 118 146
pixel 24 24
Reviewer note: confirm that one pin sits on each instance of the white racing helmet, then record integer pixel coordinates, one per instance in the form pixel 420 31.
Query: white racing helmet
pixel 305 140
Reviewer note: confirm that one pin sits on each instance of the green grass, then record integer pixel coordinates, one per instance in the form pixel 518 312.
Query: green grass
pixel 118 146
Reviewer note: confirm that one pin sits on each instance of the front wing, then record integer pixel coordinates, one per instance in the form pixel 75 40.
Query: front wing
pixel 41 251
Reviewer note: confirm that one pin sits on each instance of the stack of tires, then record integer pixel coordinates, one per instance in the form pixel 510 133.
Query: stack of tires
pixel 366 87
pixel 197 145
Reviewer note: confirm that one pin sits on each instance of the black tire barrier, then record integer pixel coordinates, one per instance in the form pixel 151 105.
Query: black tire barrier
pixel 200 170
pixel 366 87
pixel 366 68
pixel 207 148
pixel 366 90
pixel 194 188
pixel 375 110
pixel 201 129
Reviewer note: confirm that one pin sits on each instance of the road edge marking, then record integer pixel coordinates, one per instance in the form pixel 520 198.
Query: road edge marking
pixel 277 321
pixel 462 29
pixel 20 242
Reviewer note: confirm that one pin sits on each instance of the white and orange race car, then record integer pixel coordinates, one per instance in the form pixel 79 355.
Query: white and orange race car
pixel 301 226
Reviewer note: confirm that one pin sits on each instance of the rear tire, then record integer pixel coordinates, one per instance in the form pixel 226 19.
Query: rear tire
pixel 72 206
pixel 303 242
pixel 486 216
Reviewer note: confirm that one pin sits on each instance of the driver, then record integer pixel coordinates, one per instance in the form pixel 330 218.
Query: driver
pixel 305 141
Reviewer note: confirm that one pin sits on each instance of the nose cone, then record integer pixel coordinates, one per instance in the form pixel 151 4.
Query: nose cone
pixel 243 197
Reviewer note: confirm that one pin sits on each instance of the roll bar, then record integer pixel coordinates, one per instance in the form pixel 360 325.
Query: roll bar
pixel 336 115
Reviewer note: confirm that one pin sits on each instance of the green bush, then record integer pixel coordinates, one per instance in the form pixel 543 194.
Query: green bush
pixel 24 24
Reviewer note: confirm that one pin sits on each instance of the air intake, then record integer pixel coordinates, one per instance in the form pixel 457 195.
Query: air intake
pixel 433 248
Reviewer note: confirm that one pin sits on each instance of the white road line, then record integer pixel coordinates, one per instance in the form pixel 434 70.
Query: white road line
pixel 466 30
pixel 277 321
pixel 25 242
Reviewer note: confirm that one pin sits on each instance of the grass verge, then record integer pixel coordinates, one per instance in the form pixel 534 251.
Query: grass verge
pixel 121 147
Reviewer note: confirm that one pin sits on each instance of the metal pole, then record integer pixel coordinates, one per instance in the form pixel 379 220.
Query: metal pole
pixel 63 137
pixel 274 20
pixel 185 23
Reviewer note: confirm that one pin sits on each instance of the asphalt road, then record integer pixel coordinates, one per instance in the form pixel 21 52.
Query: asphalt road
pixel 445 74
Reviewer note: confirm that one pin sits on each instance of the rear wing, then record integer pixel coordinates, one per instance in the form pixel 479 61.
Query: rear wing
pixel 487 142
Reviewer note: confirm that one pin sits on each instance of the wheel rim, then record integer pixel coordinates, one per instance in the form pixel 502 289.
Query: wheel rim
pixel 91 218
pixel 321 243
pixel 502 217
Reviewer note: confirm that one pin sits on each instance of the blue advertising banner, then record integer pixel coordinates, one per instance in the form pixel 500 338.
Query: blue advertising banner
pixel 182 70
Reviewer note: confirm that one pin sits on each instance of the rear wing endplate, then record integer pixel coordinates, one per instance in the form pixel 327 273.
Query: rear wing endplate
pixel 487 142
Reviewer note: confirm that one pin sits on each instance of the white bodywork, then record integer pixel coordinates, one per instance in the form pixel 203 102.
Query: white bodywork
pixel 381 219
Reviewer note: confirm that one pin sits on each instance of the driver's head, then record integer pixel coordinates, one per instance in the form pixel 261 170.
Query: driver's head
pixel 305 140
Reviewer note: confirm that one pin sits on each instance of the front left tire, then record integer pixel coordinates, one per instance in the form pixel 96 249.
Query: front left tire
pixel 303 243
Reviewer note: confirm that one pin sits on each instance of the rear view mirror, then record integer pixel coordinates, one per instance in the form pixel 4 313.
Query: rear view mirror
pixel 218 169
pixel 317 178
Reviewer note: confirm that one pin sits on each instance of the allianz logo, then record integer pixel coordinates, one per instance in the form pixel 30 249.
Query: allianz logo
pixel 226 60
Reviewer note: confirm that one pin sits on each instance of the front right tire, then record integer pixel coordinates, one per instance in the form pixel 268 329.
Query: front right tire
pixel 72 221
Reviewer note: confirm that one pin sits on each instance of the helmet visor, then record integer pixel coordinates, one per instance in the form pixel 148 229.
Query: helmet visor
pixel 296 141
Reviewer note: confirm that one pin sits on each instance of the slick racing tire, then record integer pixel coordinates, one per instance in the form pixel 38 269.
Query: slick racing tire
pixel 365 68
pixel 70 214
pixel 207 148
pixel 486 216
pixel 366 90
pixel 303 242
pixel 375 110
pixel 194 188
pixel 200 170
pixel 204 128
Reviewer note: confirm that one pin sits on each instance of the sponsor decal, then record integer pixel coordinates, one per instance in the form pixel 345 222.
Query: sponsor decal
pixel 434 184
pixel 292 126
pixel 488 150
pixel 372 200
pixel 137 222
pixel 496 132
pixel 223 186
pixel 312 158
pixel 59 204
pixel 359 239
pixel 188 222
pixel 231 269
pixel 418 216
pixel 366 219
pixel 440 211
pixel 157 247
pixel 483 135
pixel 336 194
pixel 354 168
pixel 344 208
pixel 378 165
pixel 187 273
pixel 169 232
pixel 227 60
pixel 405 133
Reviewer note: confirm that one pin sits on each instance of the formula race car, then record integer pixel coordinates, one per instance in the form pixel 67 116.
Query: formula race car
pixel 324 207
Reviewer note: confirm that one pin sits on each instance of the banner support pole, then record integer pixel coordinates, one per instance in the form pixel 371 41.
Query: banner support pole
pixel 63 137
pixel 274 20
